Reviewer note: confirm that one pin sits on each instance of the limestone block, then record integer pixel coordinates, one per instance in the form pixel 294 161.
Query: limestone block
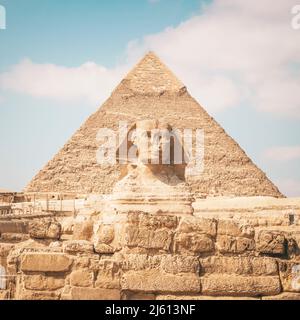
pixel 244 244
pixel 81 262
pixel 153 221
pixel 4 295
pixel 43 283
pixel 180 264
pixel 13 227
pixel 229 285
pixel 83 230
pixel 138 296
pixel 106 234
pixel 5 248
pixel 37 295
pixel 103 248
pixel 104 240
pixel 45 262
pixel 14 237
pixel 199 225
pixel 264 266
pixel 283 296
pixel 154 281
pixel 78 246
pixel 148 238
pixel 108 275
pixel 44 229
pixel 289 272
pixel 78 293
pixel 292 247
pixel 193 243
pixel 228 244
pixel 66 293
pixel 234 229
pixel 139 262
pixel 165 262
pixel 82 278
pixel 271 242
pixel 239 265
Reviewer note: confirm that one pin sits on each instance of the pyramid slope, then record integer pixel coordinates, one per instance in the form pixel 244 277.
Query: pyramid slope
pixel 151 91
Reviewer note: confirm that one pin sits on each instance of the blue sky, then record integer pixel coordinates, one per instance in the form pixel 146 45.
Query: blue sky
pixel 240 62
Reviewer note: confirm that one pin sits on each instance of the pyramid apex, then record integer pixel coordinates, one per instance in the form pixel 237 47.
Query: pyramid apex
pixel 152 76
pixel 151 54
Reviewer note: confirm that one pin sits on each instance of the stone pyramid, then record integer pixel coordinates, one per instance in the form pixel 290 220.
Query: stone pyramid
pixel 151 91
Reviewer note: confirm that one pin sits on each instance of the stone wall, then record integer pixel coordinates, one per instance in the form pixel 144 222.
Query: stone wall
pixel 141 256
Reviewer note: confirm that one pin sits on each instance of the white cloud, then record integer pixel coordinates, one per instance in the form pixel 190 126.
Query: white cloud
pixel 289 187
pixel 249 43
pixel 282 153
pixel 88 81
pixel 234 51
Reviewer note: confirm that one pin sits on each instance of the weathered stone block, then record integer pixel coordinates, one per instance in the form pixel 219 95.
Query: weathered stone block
pixel 104 248
pixel 37 295
pixel 95 294
pixel 138 296
pixel 4 295
pixel 41 282
pixel 45 262
pixel 5 248
pixel 152 221
pixel 239 265
pixel 283 296
pixel 78 246
pixel 148 238
pixel 244 244
pixel 82 278
pixel 228 244
pixel 271 242
pixel 81 262
pixel 229 285
pixel 154 281
pixel 264 266
pixel 180 264
pixel 44 229
pixel 108 275
pixel 234 229
pixel 193 242
pixel 198 225
pixel 106 234
pixel 139 262
pixel 83 230
pixel 13 227
pixel 290 275
pixel 14 237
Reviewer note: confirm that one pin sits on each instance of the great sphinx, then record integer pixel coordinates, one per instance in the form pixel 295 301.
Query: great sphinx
pixel 152 178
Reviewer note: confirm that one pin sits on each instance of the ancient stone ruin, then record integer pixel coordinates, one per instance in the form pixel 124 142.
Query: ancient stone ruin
pixel 135 229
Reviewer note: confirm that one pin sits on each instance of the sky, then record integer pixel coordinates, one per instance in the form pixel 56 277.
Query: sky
pixel 60 60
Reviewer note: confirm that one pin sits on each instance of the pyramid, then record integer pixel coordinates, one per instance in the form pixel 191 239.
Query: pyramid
pixel 151 91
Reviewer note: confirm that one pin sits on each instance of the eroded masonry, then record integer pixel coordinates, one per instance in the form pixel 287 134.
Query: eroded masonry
pixel 84 230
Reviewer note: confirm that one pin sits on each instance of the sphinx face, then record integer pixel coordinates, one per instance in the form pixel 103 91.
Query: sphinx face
pixel 152 140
